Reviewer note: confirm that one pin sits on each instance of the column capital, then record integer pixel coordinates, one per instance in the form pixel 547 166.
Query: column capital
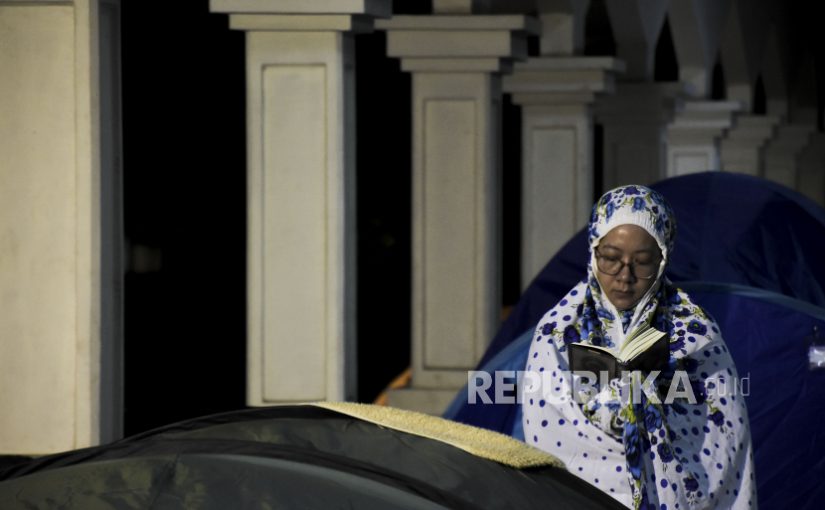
pixel 781 153
pixel 639 102
pixel 810 179
pixel 551 80
pixel 753 128
pixel 634 119
pixel 302 15
pixel 636 25
pixel 375 8
pixel 790 139
pixel 471 43
pixel 696 26
pixel 741 149
pixel 704 116
pixel 562 26
pixel 693 136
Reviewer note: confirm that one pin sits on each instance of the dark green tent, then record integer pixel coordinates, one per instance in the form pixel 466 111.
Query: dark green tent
pixel 301 457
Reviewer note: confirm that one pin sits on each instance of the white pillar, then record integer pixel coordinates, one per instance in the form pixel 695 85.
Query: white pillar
pixel 562 26
pixel 301 221
pixel 635 117
pixel 742 47
pixel 810 179
pixel 636 25
pixel 556 91
pixel 634 122
pixel 693 136
pixel 742 148
pixel 456 105
pixel 459 6
pixel 60 234
pixel 696 26
pixel 782 152
pixel 556 96
pixel 645 139
pixel 775 65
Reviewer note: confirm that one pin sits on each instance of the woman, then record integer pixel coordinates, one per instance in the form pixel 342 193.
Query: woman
pixel 676 439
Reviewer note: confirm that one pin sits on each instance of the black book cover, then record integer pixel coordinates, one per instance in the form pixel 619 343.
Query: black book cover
pixel 585 357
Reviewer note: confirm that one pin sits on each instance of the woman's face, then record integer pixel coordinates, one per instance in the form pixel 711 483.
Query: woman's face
pixel 631 245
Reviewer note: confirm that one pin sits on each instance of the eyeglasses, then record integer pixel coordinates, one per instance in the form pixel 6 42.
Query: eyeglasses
pixel 612 266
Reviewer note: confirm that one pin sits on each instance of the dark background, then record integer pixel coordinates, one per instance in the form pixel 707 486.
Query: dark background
pixel 185 203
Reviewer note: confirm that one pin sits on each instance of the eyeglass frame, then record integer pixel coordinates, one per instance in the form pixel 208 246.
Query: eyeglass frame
pixel 630 265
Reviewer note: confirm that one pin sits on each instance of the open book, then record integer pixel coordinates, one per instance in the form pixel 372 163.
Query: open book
pixel 645 349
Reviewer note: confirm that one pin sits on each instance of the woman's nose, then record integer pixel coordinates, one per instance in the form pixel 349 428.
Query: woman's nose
pixel 625 274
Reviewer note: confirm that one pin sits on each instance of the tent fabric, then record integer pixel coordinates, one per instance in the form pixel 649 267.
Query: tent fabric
pixel 480 442
pixel 731 228
pixel 501 417
pixel 768 336
pixel 286 457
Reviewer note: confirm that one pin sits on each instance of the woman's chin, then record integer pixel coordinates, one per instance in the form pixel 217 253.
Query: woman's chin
pixel 622 300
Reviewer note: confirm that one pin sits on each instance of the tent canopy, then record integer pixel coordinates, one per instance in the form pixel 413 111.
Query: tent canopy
pixel 759 248
pixel 769 336
pixel 300 457
pixel 731 228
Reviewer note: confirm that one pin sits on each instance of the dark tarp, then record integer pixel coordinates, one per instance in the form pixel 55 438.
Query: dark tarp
pixel 731 228
pixel 768 335
pixel 302 457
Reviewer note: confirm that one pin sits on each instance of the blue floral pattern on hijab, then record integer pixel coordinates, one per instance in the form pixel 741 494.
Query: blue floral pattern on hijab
pixel 640 205
pixel 681 454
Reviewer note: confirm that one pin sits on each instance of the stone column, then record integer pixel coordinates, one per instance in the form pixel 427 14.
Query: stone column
pixel 693 136
pixel 742 149
pixel 635 117
pixel 634 120
pixel 455 61
pixel 741 50
pixel 794 135
pixel 301 221
pixel 636 25
pixel 810 179
pixel 782 152
pixel 556 96
pixel 60 226
pixel 696 26
pixel 775 64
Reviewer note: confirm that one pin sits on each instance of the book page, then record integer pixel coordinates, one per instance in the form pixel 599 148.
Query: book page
pixel 642 340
